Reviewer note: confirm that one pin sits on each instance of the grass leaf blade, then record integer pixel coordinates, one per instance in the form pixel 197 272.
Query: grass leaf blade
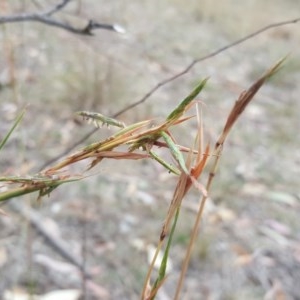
pixel 179 110
pixel 18 120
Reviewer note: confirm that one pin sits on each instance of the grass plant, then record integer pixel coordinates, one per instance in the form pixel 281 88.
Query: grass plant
pixel 140 140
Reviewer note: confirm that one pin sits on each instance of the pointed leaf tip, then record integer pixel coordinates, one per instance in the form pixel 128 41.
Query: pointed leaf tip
pixel 179 110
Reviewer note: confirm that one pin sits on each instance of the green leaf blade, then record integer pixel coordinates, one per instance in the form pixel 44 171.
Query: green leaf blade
pixel 18 120
pixel 179 110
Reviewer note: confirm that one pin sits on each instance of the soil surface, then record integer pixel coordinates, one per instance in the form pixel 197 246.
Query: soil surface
pixel 108 223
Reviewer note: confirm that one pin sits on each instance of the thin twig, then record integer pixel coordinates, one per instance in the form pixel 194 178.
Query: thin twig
pixel 172 78
pixel 202 58
pixel 46 18
pixel 56 8
pixel 68 150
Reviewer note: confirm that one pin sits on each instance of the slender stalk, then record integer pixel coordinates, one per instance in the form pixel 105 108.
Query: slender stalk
pixel 197 224
pixel 163 267
pixel 18 120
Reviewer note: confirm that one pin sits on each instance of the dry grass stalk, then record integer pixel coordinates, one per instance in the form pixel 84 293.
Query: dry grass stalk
pixel 239 106
pixel 137 136
pixel 144 136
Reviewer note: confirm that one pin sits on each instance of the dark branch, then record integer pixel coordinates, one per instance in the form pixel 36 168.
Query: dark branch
pixel 46 18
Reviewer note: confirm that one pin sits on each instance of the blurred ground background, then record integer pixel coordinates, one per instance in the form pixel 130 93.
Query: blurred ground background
pixel 249 246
